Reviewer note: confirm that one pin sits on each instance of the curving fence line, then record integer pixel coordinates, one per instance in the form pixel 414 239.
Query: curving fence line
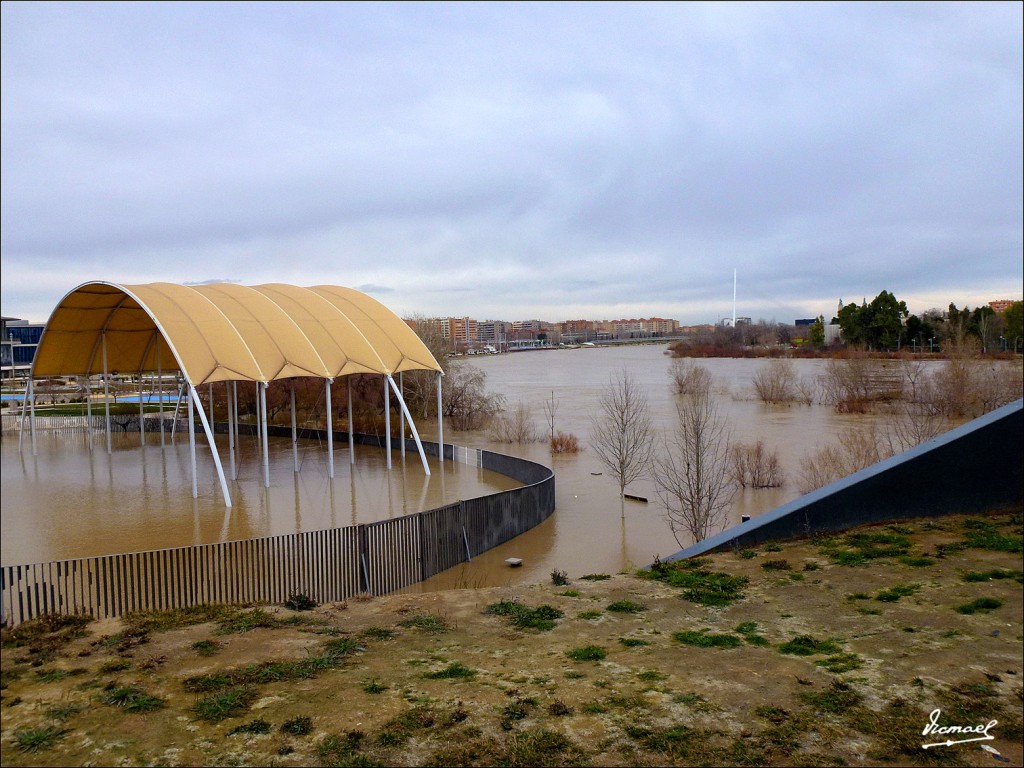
pixel 327 566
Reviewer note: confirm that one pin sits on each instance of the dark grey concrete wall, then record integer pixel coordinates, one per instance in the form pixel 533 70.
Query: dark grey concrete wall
pixel 976 467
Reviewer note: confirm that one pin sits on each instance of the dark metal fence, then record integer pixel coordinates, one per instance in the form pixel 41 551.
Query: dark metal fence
pixel 329 565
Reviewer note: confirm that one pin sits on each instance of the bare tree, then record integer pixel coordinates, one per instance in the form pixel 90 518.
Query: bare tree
pixel 692 473
pixel 550 409
pixel 776 382
pixel 622 435
pixel 515 426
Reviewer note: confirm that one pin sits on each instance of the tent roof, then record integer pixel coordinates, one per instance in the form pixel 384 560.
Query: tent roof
pixel 226 332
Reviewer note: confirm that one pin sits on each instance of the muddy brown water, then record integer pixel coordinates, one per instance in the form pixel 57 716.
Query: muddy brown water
pixel 68 501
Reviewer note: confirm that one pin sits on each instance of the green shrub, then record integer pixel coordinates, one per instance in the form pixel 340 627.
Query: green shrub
pixel 587 653
pixel 983 604
pixel 705 639
pixel 893 594
pixel 36 739
pixel 131 699
pixel 454 671
pixel 300 602
pixel 805 645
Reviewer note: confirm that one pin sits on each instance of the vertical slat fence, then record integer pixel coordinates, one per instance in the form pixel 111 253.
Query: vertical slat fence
pixel 328 565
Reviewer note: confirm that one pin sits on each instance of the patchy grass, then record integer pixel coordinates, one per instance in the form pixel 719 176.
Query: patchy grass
pixel 454 671
pixel 131 698
pixel 291 693
pixel 207 647
pixel 430 623
pixel 220 706
pixel 981 605
pixel 984 534
pixel 587 653
pixel 776 565
pixel 841 662
pixel 705 639
pixel 860 547
pixel 38 739
pixel 541 618
pixel 633 642
pixel 805 645
pixel 894 593
pixel 994 575
pixel 699 585
pixel 596 577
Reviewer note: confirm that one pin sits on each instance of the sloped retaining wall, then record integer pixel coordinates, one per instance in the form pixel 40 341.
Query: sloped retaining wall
pixel 974 468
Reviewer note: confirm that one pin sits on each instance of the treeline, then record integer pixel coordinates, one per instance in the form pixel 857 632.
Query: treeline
pixel 882 325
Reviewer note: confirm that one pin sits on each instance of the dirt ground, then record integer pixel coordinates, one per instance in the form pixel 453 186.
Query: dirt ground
pixel 893 622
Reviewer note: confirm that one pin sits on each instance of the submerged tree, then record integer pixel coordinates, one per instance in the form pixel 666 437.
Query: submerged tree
pixel 622 436
pixel 692 472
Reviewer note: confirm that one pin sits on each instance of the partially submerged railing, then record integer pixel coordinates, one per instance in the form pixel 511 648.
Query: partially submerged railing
pixel 327 566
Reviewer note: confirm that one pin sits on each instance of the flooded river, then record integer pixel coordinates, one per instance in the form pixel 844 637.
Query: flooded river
pixel 68 501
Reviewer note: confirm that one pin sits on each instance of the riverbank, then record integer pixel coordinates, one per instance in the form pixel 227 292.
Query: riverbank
pixel 832 651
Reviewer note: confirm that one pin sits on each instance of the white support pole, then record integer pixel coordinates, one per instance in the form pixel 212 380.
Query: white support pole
pixel 192 444
pixel 412 425
pixel 177 405
pixel 106 391
pixel 401 414
pixel 387 419
pixel 207 427
pixel 24 412
pixel 351 431
pixel 295 431
pixel 32 418
pixel 330 432
pixel 142 414
pixel 160 392
pixel 259 419
pixel 231 427
pixel 263 419
pixel 440 422
pixel 88 408
pixel 234 405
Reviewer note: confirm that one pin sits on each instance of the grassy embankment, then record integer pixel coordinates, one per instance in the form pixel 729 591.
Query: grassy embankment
pixel 826 651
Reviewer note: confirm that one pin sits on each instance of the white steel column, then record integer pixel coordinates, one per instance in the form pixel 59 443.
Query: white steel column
pixel 440 422
pixel 387 419
pixel 192 444
pixel 106 391
pixel 412 425
pixel 177 405
pixel 213 450
pixel 142 414
pixel 401 414
pixel 351 431
pixel 160 392
pixel 32 417
pixel 263 428
pixel 88 408
pixel 24 411
pixel 330 432
pixel 295 431
pixel 234 405
pixel 231 427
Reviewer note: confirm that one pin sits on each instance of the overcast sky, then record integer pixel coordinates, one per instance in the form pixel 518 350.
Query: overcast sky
pixel 515 161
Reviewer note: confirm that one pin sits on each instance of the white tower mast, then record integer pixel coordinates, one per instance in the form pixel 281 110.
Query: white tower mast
pixel 734 297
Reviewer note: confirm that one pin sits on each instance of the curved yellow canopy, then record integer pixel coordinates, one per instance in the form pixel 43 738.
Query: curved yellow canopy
pixel 226 332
